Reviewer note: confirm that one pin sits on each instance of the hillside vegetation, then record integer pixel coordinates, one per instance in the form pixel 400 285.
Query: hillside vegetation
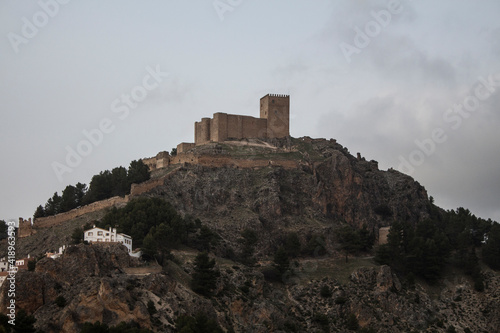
pixel 104 185
pixel 274 250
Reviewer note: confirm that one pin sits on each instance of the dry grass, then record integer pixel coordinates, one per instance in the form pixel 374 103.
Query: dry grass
pixel 338 269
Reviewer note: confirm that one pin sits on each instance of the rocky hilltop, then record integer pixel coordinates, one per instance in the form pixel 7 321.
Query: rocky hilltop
pixel 311 187
pixel 307 185
pixel 328 187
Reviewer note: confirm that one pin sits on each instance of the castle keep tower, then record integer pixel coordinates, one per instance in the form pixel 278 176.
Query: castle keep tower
pixel 274 122
pixel 276 109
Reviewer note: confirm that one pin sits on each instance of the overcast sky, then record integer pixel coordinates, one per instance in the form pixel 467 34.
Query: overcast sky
pixel 414 85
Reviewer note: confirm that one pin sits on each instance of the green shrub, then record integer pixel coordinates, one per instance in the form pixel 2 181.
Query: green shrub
pixel 123 327
pixel 292 244
pixel 31 265
pixel 410 278
pixel 352 322
pixel 479 283
pixel 60 301
pixel 322 320
pixel 340 300
pixel 281 261
pixel 204 275
pixel 451 329
pixel 291 326
pixel 383 210
pixel 199 323
pixel 151 307
pixel 315 246
pixel 325 292
pixel 249 239
pixel 271 274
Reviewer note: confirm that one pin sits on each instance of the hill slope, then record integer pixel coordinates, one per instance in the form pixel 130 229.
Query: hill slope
pixel 98 285
pixel 327 190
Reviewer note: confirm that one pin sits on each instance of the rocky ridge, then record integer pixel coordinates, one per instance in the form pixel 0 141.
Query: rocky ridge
pixel 329 189
pixel 97 287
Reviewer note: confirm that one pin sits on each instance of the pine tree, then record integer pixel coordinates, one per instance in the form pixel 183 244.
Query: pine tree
pixel 204 276
pixel 68 199
pixel 138 172
pixel 53 205
pixel 491 250
pixel 39 212
pixel 281 261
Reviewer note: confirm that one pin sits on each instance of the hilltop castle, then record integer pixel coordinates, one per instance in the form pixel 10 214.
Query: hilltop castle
pixel 274 122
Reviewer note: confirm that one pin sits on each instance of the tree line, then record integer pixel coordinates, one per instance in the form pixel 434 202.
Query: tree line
pixel 156 227
pixel 104 185
pixel 454 237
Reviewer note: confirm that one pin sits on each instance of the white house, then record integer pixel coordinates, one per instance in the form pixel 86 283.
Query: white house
pixel 96 235
pixel 55 255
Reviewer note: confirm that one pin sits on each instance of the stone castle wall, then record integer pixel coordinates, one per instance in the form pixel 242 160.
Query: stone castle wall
pixel 184 147
pixel 274 122
pixel 212 161
pixel 383 233
pixel 49 221
pixel 26 228
pixel 146 186
pixel 161 160
pixel 276 110
pixel 225 126
pixel 224 161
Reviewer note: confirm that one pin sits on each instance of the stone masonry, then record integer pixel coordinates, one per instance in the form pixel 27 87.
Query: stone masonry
pixel 274 122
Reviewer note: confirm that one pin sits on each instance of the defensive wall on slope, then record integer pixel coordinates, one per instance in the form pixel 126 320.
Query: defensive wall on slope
pixel 49 221
pixel 226 161
pixel 26 228
pixel 215 161
pixel 146 186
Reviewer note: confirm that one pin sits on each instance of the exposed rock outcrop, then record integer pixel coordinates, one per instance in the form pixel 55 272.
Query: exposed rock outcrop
pixel 329 188
pixel 93 282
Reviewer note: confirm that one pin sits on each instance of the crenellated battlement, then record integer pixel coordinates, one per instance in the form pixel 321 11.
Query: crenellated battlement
pixel 276 95
pixel 25 228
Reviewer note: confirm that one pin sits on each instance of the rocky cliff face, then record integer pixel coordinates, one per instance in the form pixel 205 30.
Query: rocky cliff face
pixel 89 278
pixel 329 188
pixel 97 285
